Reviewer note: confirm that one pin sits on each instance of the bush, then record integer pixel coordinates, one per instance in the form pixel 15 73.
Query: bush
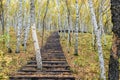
pixel 4 63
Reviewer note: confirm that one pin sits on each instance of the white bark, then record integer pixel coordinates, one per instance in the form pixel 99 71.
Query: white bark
pixel 25 26
pixel 34 35
pixel 37 48
pixel 15 22
pixel 19 26
pixel 59 20
pixel 7 24
pixel 69 26
pixel 76 28
pixel 27 29
pixel 25 16
pixel 97 33
pixel 65 21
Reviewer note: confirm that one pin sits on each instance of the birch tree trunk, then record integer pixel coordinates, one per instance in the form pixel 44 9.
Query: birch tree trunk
pixel 58 8
pixel 34 35
pixel 15 22
pixel 76 29
pixel 113 73
pixel 69 26
pixel 64 26
pixel 97 33
pixel 19 27
pixel 27 27
pixel 8 26
pixel 2 16
pixel 101 20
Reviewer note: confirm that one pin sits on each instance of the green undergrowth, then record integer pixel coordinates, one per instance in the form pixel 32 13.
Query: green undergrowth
pixel 85 66
pixel 11 62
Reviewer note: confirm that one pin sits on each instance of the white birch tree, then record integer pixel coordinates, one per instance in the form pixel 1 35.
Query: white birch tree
pixel 76 29
pixel 58 8
pixel 19 27
pixel 8 26
pixel 27 27
pixel 34 35
pixel 68 26
pixel 99 46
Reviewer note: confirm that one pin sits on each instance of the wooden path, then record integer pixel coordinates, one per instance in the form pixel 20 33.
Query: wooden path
pixel 55 66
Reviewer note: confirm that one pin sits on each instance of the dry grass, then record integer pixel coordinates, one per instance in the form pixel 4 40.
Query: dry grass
pixel 11 62
pixel 86 65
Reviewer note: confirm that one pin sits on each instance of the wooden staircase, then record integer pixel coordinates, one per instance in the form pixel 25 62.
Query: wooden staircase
pixel 55 66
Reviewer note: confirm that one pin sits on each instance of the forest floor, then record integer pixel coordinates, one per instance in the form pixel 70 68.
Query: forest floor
pixel 54 64
pixel 11 62
pixel 86 65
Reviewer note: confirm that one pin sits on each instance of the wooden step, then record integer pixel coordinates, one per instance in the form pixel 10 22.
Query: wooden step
pixel 53 57
pixel 49 62
pixel 43 73
pixel 50 59
pixel 54 67
pixel 46 66
pixel 44 70
pixel 42 77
